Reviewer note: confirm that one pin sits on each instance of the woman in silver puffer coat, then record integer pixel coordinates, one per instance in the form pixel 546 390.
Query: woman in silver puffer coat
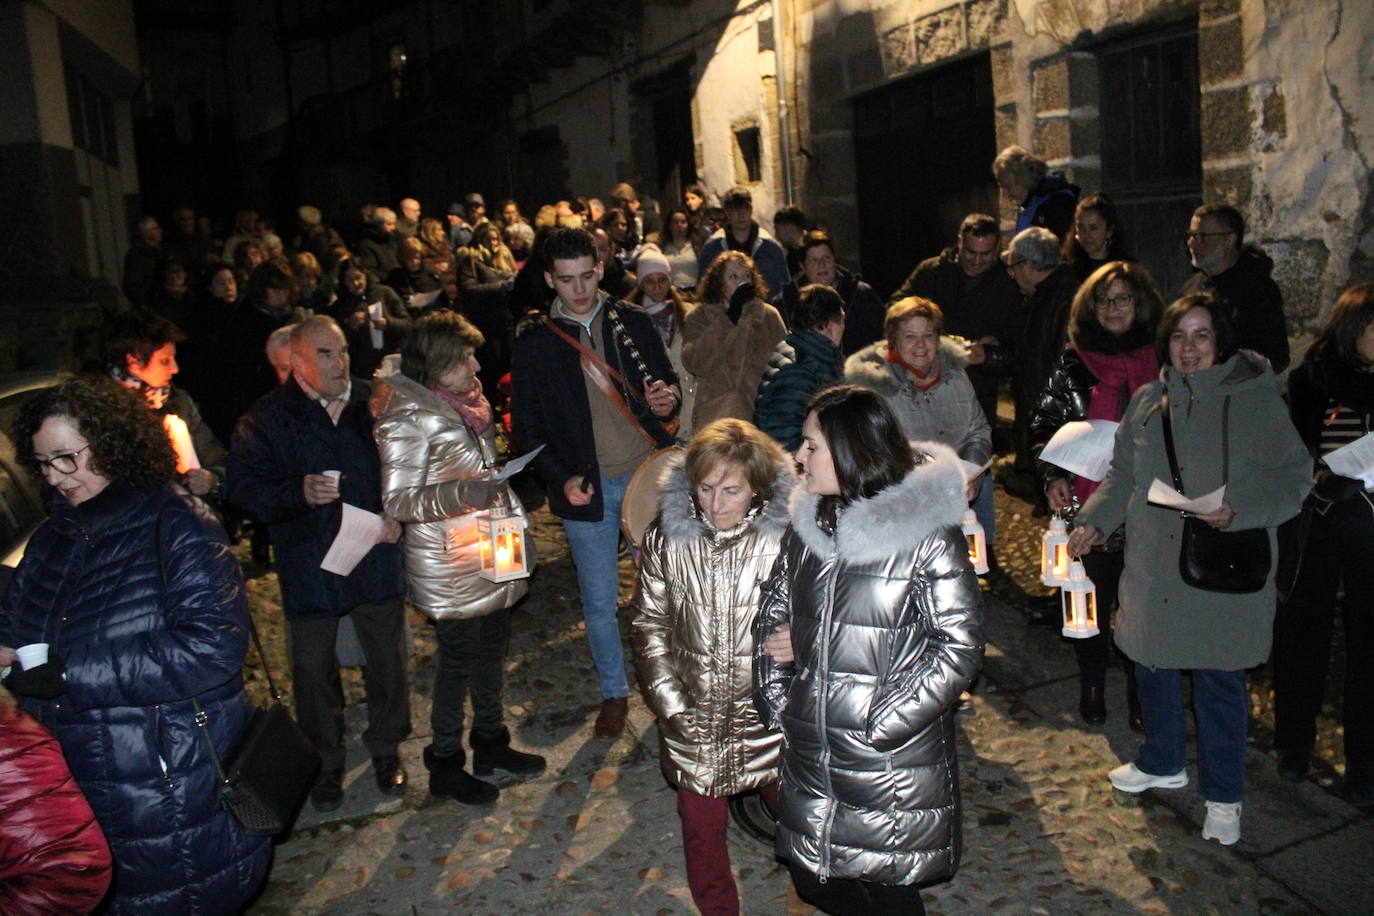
pixel 722 513
pixel 871 625
pixel 435 433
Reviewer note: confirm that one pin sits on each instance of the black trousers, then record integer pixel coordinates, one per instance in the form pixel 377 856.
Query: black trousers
pixel 851 897
pixel 1340 549
pixel 319 693
pixel 472 656
pixel 1094 653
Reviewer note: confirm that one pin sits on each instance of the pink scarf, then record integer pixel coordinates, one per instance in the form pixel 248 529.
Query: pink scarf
pixel 473 407
pixel 1119 375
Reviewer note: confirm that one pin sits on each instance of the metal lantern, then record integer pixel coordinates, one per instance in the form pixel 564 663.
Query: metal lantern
pixel 1054 554
pixel 1080 603
pixel 977 543
pixel 501 537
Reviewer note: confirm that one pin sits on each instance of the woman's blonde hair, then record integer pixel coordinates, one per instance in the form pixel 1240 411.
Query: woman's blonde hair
pixel 736 442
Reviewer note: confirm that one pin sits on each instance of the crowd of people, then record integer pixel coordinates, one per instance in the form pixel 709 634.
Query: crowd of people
pixel 806 617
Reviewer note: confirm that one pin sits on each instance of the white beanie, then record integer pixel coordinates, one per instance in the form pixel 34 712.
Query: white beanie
pixel 652 261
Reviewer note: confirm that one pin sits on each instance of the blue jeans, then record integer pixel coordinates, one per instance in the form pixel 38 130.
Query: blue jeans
pixel 1222 712
pixel 596 552
pixel 983 507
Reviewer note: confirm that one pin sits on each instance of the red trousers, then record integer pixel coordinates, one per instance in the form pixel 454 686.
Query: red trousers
pixel 704 819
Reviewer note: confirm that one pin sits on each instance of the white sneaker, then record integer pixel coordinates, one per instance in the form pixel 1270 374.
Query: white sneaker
pixel 1129 778
pixel 1223 823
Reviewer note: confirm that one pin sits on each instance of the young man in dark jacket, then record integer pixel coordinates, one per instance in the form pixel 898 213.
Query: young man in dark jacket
pixel 298 455
pixel 596 427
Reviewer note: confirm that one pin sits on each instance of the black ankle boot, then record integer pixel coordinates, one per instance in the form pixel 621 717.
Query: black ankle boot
pixel 493 752
pixel 447 779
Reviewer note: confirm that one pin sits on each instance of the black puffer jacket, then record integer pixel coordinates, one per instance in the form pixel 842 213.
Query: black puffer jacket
pixel 1254 302
pixel 137 592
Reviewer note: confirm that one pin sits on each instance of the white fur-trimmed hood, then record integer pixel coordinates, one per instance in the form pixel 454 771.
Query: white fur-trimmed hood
pixel 896 519
pixel 679 520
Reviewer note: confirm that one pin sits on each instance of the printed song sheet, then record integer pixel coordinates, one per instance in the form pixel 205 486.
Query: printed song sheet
pixel 516 465
pixel 358 533
pixel 1355 459
pixel 1083 447
pixel 1165 496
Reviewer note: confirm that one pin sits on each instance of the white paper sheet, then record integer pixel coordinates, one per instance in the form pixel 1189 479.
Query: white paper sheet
pixel 423 300
pixel 374 311
pixel 1355 459
pixel 358 533
pixel 516 465
pixel 1083 447
pixel 972 470
pixel 1161 494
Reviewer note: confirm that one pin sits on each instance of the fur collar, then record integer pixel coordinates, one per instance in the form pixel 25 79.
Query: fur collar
pixel 869 367
pixel 680 521
pixel 896 519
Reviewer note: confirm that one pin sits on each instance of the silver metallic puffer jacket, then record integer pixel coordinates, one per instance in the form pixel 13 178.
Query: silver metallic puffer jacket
pixel 428 453
pixel 887 631
pixel 692 632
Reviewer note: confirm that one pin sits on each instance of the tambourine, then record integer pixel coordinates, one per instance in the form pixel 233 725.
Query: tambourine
pixel 643 493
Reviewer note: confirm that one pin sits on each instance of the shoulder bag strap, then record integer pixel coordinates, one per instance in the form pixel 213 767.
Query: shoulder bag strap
pixel 603 382
pixel 1169 441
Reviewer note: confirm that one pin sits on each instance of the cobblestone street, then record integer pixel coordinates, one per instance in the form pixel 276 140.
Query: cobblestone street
pixel 1043 830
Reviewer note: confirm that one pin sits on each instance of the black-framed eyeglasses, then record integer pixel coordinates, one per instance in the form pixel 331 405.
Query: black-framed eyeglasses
pixel 1011 265
pixel 1200 236
pixel 64 463
pixel 1114 302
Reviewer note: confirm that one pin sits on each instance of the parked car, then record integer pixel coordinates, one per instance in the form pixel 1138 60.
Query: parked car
pixel 23 497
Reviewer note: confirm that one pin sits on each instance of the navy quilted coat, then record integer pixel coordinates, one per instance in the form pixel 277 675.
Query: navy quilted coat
pixel 137 591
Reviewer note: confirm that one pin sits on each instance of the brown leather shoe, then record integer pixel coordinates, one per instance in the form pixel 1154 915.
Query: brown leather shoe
pixel 610 722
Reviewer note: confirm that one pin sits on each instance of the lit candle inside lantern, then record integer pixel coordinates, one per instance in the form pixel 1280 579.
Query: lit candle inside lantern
pixel 1079 596
pixel 977 543
pixel 1054 553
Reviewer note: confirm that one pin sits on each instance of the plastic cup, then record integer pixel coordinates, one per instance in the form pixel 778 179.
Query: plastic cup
pixel 334 477
pixel 32 655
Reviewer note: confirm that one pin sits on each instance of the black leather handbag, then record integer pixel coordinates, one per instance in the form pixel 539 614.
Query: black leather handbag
pixel 1213 559
pixel 270 769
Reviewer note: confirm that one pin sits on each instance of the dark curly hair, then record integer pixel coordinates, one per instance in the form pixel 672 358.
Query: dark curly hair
pixel 127 443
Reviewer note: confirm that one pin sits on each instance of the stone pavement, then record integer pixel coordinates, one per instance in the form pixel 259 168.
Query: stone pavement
pixel 598 833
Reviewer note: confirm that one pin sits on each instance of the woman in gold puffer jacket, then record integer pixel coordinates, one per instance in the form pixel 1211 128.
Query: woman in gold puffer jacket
pixel 721 518
pixel 434 430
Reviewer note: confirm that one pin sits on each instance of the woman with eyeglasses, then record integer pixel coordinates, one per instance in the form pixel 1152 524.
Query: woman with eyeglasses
pixel 1111 354
pixel 132 585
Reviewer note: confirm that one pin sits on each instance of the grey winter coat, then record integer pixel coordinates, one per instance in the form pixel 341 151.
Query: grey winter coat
pixel 1163 623
pixel 947 413
pixel 693 637
pixel 887 630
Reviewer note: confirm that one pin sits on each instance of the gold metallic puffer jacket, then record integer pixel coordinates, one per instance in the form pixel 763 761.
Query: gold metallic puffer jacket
pixel 694 609
pixel 428 455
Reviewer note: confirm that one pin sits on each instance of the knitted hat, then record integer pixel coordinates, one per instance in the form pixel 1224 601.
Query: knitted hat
pixel 652 261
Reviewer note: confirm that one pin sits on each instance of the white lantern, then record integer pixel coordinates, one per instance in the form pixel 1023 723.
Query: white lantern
pixel 501 537
pixel 1054 554
pixel 977 543
pixel 1080 603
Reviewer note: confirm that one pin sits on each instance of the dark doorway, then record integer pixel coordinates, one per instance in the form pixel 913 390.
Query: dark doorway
pixel 1152 146
pixel 668 157
pixel 923 147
